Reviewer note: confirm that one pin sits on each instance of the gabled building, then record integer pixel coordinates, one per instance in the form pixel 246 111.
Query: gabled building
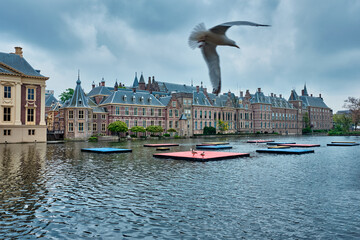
pixel 22 100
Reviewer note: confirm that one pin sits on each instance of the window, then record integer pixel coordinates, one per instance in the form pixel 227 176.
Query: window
pixel 200 113
pixel 71 114
pixel 195 113
pixel 159 111
pixel 152 112
pixel 170 113
pixel 176 113
pixel 126 110
pixel 204 114
pixel 195 125
pixel 30 115
pixel 31 94
pixel 170 124
pixel 136 111
pixel 201 125
pixel 94 116
pixel 185 102
pixel 31 131
pixel 7 114
pixel 71 127
pixel 7 132
pixel 209 114
pixel 94 127
pixel 144 123
pixel 135 123
pixel 160 123
pixel 117 110
pixel 89 126
pixel 103 116
pixel 7 92
pixel 174 103
pixel 144 111
pixel 81 114
pixel 176 124
pixel 81 127
pixel 103 127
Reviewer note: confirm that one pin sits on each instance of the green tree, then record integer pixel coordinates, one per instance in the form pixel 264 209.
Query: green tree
pixel 209 131
pixel 118 127
pixel 223 126
pixel 342 122
pixel 154 129
pixel 67 94
pixel 353 104
pixel 306 120
pixel 137 129
pixel 171 131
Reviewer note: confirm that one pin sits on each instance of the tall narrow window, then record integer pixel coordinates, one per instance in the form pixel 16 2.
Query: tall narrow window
pixel 159 112
pixel 81 127
pixel 170 113
pixel 7 92
pixel 31 94
pixel 7 114
pixel 144 111
pixel 30 115
pixel 71 127
pixel 136 111
pixel 126 110
pixel 94 127
pixel 71 114
pixel 117 110
pixel 81 114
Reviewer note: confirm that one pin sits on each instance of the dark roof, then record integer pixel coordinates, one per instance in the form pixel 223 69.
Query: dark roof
pixel 313 102
pixel 277 102
pixel 50 100
pixel 199 98
pixel 100 90
pixel 78 99
pixel 129 97
pixel 141 79
pixel 165 100
pixel 305 91
pixel 294 96
pixel 136 82
pixel 18 63
pixel 173 87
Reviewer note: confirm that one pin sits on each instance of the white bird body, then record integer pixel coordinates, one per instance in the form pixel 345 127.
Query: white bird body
pixel 208 40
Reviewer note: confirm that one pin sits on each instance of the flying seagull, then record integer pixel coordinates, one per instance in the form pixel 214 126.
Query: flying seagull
pixel 208 40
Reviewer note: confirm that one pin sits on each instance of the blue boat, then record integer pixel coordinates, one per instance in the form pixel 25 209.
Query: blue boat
pixel 286 151
pixel 213 147
pixel 105 150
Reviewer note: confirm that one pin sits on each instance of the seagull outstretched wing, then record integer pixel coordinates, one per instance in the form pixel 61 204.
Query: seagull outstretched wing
pixel 212 60
pixel 222 28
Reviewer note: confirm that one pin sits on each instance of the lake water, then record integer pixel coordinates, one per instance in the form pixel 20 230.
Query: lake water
pixel 56 191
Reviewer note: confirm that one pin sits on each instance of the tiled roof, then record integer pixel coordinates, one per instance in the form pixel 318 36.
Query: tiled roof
pixel 165 100
pixel 313 102
pixel 94 106
pixel 199 98
pixel 19 63
pixel 100 90
pixel 294 96
pixel 173 87
pixel 277 102
pixel 129 97
pixel 49 100
pixel 78 99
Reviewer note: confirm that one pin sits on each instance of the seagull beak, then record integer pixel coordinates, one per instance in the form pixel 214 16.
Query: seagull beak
pixel 237 46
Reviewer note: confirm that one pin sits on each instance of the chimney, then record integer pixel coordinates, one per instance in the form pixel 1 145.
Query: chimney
pixel 149 82
pixel 272 95
pixel 259 89
pixel 93 84
pixel 205 90
pixel 320 95
pixel 241 94
pixel 18 51
pixel 280 95
pixel 153 80
pixel 197 88
pixel 116 86
pixel 103 82
pixel 134 90
pixel 229 93
pixel 311 95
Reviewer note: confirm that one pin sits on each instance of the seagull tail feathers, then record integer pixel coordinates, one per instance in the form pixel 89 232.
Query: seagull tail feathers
pixel 196 35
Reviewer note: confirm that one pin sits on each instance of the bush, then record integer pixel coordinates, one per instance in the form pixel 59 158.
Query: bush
pixel 177 136
pixel 133 135
pixel 166 135
pixel 209 131
pixel 306 130
pixel 93 139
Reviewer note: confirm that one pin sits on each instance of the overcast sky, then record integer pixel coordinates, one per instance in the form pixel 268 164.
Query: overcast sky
pixel 312 42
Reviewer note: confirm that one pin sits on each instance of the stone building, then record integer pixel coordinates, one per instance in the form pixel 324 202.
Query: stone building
pixel 22 100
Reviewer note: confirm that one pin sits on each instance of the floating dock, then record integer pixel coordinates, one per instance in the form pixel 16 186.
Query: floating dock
pixel 214 147
pixel 285 151
pixel 214 143
pixel 278 147
pixel 201 156
pixel 300 145
pixel 277 143
pixel 161 145
pixel 163 148
pixel 343 144
pixel 106 150
pixel 259 141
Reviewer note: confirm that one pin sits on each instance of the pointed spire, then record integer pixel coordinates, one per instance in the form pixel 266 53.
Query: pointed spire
pixel 78 80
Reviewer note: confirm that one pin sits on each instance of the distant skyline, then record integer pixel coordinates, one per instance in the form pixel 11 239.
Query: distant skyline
pixel 312 42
